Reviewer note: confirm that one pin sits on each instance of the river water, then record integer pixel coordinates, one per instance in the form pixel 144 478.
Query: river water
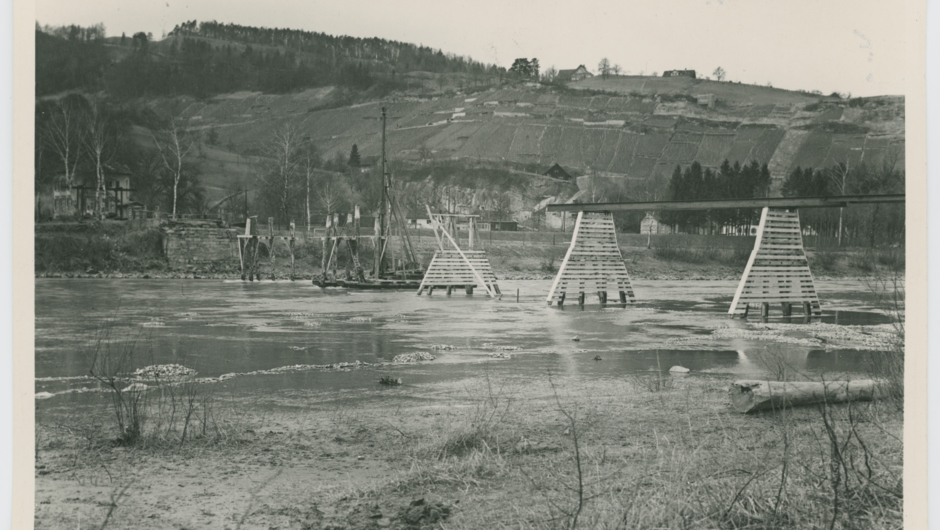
pixel 233 327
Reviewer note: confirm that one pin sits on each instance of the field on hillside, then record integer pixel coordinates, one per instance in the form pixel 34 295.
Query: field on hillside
pixel 643 133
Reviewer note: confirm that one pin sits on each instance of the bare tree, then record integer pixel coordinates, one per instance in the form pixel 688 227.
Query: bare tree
pixel 310 161
pixel 62 133
pixel 174 143
pixel 719 74
pixel 604 68
pixel 837 176
pixel 329 195
pixel 550 74
pixel 282 151
pixel 98 144
pixel 616 69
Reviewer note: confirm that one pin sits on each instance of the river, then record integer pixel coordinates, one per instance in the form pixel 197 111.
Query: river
pixel 233 327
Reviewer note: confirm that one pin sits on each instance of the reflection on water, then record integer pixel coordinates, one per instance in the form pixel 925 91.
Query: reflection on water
pixel 224 327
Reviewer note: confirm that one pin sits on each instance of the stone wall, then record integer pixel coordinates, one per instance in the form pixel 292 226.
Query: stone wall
pixel 188 246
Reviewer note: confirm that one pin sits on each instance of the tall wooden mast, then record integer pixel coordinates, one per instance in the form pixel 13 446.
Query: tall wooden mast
pixel 384 209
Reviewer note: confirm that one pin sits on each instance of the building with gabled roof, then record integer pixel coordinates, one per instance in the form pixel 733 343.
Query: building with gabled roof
pixel 576 74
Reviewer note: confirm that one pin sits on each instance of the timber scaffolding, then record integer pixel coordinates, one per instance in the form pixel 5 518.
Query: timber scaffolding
pixel 776 272
pixel 456 268
pixel 250 243
pixel 393 272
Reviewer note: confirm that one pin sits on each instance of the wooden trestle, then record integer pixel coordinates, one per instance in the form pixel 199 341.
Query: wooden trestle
pixel 455 268
pixel 777 271
pixel 593 263
pixel 250 243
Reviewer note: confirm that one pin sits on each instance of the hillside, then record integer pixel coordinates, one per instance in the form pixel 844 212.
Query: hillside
pixel 642 133
pixel 449 117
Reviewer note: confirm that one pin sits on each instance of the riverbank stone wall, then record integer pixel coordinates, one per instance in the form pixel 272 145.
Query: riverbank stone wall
pixel 189 246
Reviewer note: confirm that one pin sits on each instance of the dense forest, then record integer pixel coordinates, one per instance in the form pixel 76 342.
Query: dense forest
pixel 209 58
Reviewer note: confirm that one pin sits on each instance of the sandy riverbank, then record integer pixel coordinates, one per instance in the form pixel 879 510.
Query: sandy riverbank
pixel 490 451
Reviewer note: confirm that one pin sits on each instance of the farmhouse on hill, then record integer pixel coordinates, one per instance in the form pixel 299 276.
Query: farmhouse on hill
pixel 577 74
pixel 679 73
pixel 557 172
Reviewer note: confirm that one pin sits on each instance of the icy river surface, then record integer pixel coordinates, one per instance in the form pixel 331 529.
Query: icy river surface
pixel 240 330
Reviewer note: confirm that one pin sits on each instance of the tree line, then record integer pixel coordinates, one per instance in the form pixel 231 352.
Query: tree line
pixel 870 225
pixel 83 141
pixel 729 181
pixel 204 59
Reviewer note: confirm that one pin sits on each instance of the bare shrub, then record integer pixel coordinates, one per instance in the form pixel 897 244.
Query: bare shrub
pixel 163 411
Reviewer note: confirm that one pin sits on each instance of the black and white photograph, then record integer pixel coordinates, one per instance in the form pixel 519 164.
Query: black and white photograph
pixel 438 265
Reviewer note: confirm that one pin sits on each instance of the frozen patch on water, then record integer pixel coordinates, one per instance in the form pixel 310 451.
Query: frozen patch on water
pixel 163 371
pixel 299 348
pixel 497 347
pixel 64 378
pixel 344 366
pixel 360 319
pixel 312 324
pixel 413 357
pixel 441 347
pixel 500 355
pixel 44 395
pixel 154 324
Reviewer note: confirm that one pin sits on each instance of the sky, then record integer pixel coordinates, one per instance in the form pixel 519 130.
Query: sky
pixel 849 46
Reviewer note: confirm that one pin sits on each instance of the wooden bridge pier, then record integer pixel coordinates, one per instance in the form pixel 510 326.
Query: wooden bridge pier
pixel 777 271
pixel 593 263
pixel 455 268
pixel 250 243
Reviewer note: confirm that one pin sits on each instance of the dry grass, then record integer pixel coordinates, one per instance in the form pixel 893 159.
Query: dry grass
pixel 566 452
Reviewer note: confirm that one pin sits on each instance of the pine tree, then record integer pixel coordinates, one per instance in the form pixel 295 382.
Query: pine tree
pixel 354 160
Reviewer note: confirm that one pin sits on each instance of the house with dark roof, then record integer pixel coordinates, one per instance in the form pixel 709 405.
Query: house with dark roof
pixel 557 172
pixel 679 73
pixel 576 74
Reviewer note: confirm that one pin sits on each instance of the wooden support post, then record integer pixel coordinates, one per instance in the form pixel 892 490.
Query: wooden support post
pixel 623 298
pixel 581 299
pixel 602 297
pixel 807 309
pixel 323 259
pixel 449 289
pixel 430 290
pixel 241 259
pixel 561 300
pixel 787 308
pixel 271 244
pixel 764 309
pixel 290 246
pixel 517 296
pixel 469 289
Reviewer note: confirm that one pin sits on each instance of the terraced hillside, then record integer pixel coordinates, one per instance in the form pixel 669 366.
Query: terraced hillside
pixel 638 128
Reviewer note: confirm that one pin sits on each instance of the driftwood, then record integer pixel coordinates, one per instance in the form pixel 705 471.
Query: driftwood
pixel 751 396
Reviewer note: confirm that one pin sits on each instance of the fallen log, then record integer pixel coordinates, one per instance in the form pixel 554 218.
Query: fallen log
pixel 751 396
